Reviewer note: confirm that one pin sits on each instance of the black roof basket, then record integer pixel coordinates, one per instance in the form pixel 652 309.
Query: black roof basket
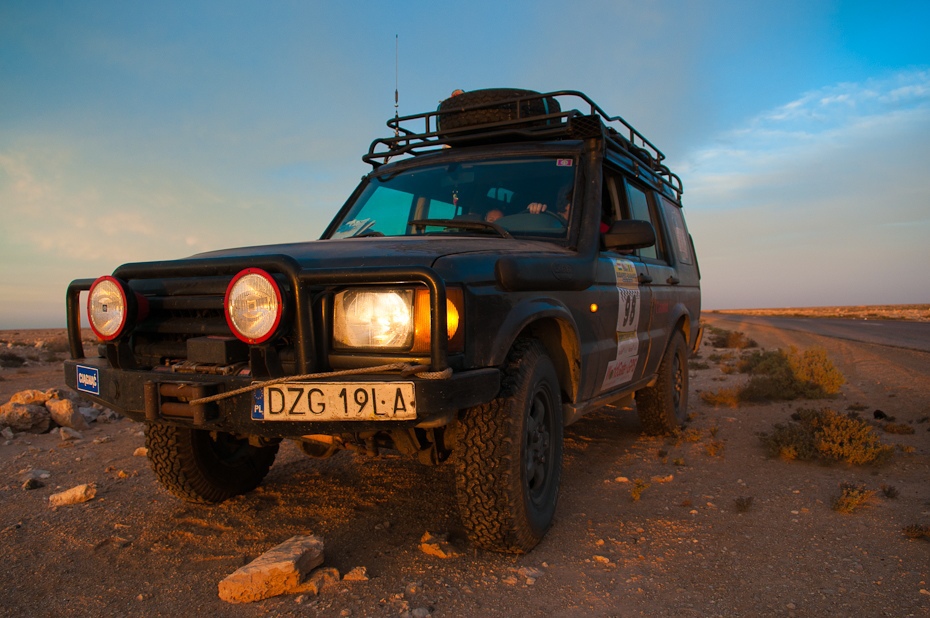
pixel 423 133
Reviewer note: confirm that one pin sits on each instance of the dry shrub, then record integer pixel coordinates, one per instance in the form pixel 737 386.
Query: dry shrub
pixel 852 497
pixel 639 486
pixel 697 365
pixel 890 491
pixel 783 376
pixel 917 531
pixel 722 338
pixel 728 397
pixel 714 448
pixel 848 439
pixel 898 428
pixel 814 369
pixel 828 435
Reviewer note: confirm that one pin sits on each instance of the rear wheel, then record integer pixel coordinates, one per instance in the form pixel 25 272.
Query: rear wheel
pixel 206 467
pixel 509 458
pixel 663 408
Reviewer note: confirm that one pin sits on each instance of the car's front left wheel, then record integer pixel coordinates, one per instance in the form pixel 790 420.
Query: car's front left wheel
pixel 509 455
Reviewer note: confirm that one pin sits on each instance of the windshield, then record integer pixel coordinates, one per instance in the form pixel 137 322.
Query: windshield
pixel 518 197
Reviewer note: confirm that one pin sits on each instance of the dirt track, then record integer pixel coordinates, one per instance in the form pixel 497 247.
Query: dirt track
pixel 682 549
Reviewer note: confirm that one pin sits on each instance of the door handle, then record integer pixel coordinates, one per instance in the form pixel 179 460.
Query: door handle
pixel 644 278
pixel 673 280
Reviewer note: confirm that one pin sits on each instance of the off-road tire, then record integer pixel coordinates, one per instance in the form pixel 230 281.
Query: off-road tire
pixel 452 118
pixel 663 407
pixel 198 467
pixel 508 462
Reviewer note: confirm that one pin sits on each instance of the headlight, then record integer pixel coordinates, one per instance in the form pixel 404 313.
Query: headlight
pixel 374 319
pixel 107 308
pixel 253 306
pixel 396 319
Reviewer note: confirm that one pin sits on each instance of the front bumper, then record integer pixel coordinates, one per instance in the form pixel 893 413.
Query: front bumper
pixel 161 397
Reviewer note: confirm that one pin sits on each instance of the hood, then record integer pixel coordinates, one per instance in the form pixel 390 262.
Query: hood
pixel 389 251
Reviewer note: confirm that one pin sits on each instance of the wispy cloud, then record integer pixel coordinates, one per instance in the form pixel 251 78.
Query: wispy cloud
pixel 821 185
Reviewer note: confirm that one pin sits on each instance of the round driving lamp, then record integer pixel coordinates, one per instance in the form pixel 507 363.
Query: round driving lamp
pixel 108 307
pixel 253 306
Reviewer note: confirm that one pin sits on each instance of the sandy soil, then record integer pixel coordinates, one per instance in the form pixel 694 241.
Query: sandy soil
pixel 682 549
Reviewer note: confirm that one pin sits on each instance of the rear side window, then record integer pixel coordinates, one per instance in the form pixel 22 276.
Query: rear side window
pixel 676 224
pixel 639 209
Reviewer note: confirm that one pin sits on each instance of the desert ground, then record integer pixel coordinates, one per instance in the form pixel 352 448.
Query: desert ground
pixel 705 523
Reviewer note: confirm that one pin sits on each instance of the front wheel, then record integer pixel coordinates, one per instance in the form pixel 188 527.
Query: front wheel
pixel 509 460
pixel 663 407
pixel 206 467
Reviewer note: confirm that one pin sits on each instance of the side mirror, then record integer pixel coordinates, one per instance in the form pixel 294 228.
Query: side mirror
pixel 630 234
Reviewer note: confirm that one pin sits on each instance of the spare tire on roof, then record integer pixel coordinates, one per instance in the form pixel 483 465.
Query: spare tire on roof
pixel 497 104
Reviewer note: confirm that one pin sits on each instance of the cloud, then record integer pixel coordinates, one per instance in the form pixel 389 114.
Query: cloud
pixel 812 198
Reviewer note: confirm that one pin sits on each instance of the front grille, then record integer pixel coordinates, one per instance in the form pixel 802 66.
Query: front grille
pixel 179 309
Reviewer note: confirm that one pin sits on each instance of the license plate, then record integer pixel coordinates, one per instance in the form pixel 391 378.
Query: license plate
pixel 335 401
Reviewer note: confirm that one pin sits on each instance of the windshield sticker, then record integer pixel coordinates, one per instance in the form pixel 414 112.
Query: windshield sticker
pixel 353 228
pixel 564 162
pixel 622 369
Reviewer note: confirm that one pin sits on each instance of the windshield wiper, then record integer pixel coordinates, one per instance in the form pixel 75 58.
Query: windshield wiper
pixel 462 224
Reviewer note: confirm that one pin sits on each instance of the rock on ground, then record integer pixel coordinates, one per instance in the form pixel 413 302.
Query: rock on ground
pixel 75 495
pixel 29 417
pixel 66 414
pixel 277 571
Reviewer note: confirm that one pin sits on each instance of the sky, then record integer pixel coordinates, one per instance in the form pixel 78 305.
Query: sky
pixel 133 131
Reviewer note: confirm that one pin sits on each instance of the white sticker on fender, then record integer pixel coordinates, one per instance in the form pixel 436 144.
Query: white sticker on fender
pixel 621 370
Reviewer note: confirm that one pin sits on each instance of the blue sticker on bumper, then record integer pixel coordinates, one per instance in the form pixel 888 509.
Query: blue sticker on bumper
pixel 258 405
pixel 88 380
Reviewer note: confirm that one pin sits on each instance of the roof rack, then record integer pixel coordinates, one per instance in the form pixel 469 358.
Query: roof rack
pixel 570 124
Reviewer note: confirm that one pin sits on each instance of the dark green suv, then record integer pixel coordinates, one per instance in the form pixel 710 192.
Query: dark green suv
pixel 505 268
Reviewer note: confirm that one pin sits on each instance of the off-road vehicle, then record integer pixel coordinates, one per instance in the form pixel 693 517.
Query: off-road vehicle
pixel 505 268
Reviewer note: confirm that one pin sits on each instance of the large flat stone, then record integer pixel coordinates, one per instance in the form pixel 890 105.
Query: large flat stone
pixel 278 571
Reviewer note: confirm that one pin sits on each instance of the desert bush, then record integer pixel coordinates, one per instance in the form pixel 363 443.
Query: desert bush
pixel 714 448
pixel 728 397
pixel 849 439
pixel 780 376
pixel 852 497
pixel 694 364
pixel 898 428
pixel 828 435
pixel 890 491
pixel 722 338
pixel 917 531
pixel 639 486
pixel 816 371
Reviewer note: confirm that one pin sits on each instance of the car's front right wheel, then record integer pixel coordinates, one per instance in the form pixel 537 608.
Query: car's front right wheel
pixel 509 455
pixel 202 466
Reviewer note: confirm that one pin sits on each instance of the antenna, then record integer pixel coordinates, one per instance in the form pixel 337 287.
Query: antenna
pixel 396 73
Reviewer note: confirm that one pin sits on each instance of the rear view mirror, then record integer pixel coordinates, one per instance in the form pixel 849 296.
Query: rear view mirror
pixel 630 234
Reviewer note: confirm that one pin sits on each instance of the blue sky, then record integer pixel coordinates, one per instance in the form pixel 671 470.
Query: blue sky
pixel 133 131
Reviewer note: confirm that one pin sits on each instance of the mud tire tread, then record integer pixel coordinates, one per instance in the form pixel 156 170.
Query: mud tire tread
pixel 187 465
pixel 489 459
pixel 658 413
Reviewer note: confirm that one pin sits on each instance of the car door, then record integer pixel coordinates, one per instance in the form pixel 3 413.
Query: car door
pixel 627 302
pixel 662 276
